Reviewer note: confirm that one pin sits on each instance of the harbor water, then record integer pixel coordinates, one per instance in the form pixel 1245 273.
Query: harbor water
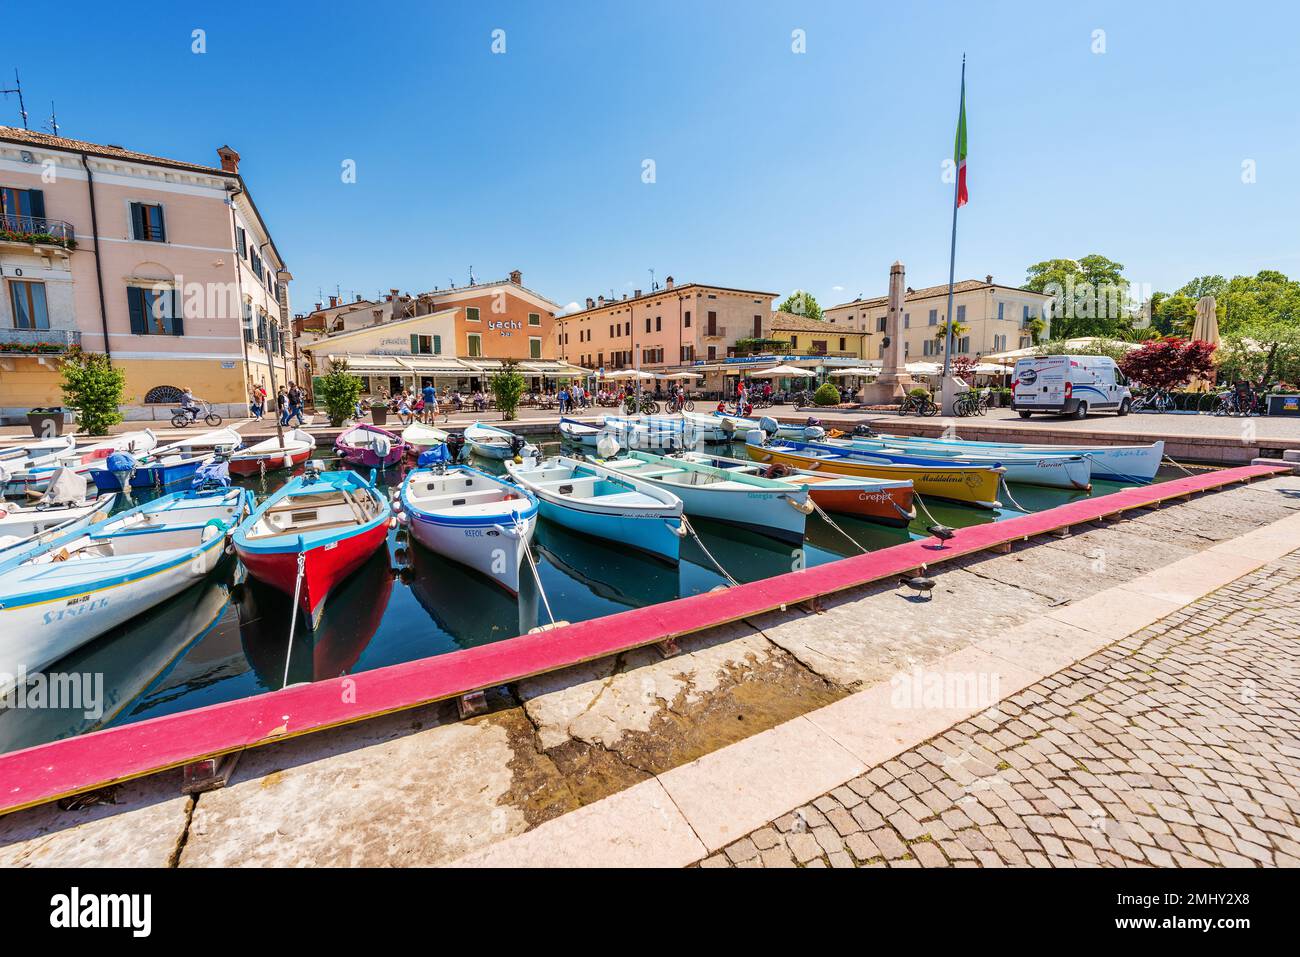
pixel 227 637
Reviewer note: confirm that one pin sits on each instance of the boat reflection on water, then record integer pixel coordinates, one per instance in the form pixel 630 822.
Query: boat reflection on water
pixel 820 536
pixel 351 617
pixel 96 685
pixel 623 576
pixel 464 604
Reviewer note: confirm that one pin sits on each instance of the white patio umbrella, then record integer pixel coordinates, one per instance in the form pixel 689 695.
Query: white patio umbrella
pixel 859 370
pixel 777 372
pixel 683 375
pixel 1206 328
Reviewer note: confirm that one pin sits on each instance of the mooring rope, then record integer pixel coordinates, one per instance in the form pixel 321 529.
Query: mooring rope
pixel 1176 465
pixel 831 522
pixel 916 497
pixel 532 565
pixel 1011 498
pixel 293 622
pixel 698 541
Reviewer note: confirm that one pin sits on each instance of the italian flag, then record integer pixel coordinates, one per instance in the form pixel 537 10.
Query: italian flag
pixel 959 149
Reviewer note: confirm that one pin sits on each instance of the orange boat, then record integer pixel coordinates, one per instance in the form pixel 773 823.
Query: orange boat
pixel 883 501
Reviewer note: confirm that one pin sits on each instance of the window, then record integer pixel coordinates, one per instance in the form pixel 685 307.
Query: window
pixel 794 342
pixel 1002 310
pixel 29 305
pixel 712 327
pixel 534 319
pixel 426 345
pixel 471 313
pixel 907 348
pixel 20 207
pixel 688 353
pixel 961 313
pixel 248 321
pixel 819 347
pixel 659 323
pixel 713 352
pixel 147 223
pixel 758 327
pixel 534 347
pixel 1025 317
pixel 688 319
pixel 611 332
pixel 241 242
pixel 880 323
pixel 907 320
pixel 842 341
pixel 153 312
pixel 963 344
pixel 255 261
pixel 476 344
pixel 934 317
pixel 647 323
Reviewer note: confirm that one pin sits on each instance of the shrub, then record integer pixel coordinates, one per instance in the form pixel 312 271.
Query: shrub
pixel 920 392
pixel 507 388
pixel 339 389
pixel 94 388
pixel 1169 363
pixel 826 394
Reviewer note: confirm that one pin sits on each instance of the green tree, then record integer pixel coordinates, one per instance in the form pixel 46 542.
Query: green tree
pixel 1267 297
pixel 1203 286
pixel 800 303
pixel 1089 295
pixel 339 389
pixel 1174 315
pixel 1262 351
pixel 508 387
pixel 93 387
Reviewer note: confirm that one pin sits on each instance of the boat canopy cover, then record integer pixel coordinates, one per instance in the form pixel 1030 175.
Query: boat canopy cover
pixel 66 486
pixel 434 456
pixel 212 475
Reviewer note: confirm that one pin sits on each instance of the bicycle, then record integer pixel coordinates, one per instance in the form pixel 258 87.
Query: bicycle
pixel 918 405
pixel 648 406
pixel 968 403
pixel 183 418
pixel 681 404
pixel 1158 400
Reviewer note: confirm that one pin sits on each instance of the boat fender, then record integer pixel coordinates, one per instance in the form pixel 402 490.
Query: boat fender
pixel 813 433
pixel 392 522
pixel 755 437
pixel 679 529
pixel 805 507
pixel 727 425
pixel 402 518
pixel 212 529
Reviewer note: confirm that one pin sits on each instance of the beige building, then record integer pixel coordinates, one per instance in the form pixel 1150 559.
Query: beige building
pixel 996 318
pixel 665 329
pixel 166 266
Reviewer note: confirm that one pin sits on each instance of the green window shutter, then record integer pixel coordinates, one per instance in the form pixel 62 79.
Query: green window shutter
pixel 437 345
pixel 36 203
pixel 137 222
pixel 178 314
pixel 415 344
pixel 136 302
pixel 161 231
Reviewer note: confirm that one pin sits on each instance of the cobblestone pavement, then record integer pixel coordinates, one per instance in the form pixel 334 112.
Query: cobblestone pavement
pixel 1176 747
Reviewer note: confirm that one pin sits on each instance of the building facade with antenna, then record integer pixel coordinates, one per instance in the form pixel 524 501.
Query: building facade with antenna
pixel 167 266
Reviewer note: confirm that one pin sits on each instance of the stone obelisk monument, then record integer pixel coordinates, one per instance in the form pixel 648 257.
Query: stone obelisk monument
pixel 893 382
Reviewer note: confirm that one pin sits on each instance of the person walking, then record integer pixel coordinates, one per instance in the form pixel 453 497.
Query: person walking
pixel 282 405
pixel 257 405
pixel 296 397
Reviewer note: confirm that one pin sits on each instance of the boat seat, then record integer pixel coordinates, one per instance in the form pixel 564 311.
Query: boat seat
pixel 656 472
pixel 582 487
pixel 629 498
pixel 457 499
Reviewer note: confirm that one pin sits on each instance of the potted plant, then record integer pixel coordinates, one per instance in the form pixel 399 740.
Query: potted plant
pixel 378 411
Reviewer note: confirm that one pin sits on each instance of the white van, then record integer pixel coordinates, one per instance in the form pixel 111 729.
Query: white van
pixel 1069 385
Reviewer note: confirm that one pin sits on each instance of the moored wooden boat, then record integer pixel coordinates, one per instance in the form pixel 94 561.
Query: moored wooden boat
pixel 58 595
pixel 31 476
pixel 420 437
pixel 764 505
pixel 271 454
pixel 1051 470
pixel 883 501
pixel 312 533
pixel 369 446
pixel 969 484
pixel 597 501
pixel 477 519
pixel 734 427
pixel 493 443
pixel 579 433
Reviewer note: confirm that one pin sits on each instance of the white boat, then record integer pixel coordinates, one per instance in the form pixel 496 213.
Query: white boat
pixel 1114 463
pixel 1050 469
pixel 65 507
pixel 760 504
pixel 272 453
pixel 597 501
pixel 579 433
pixel 56 596
pixel 477 519
pixel 734 427
pixel 421 437
pixel 638 432
pixel 35 451
pixel 493 443
pixel 698 428
pixel 34 476
pixel 225 440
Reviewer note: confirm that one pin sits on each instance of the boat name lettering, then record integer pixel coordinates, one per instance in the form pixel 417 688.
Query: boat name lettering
pixel 74 608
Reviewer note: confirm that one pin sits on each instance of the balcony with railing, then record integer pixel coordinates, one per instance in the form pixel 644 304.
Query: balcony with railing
pixel 36 231
pixel 38 341
pixel 715 332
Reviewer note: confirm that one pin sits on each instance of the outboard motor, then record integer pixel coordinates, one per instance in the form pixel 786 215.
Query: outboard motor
pixel 607 446
pixel 864 430
pixel 768 425
pixel 122 465
pixel 517 444
pixel 455 445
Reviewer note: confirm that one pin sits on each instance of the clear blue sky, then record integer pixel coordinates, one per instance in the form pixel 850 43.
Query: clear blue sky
pixel 774 170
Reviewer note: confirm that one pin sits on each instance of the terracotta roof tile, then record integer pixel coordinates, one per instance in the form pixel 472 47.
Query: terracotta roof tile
pixel 33 138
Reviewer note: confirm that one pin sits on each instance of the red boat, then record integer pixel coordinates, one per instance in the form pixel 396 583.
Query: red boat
pixel 270 454
pixel 312 533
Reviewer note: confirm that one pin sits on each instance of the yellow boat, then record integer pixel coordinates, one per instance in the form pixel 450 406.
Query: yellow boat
pixel 968 484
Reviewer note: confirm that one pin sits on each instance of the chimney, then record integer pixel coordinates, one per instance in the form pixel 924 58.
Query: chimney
pixel 392 295
pixel 358 297
pixel 591 303
pixel 317 308
pixel 334 301
pixel 989 279
pixel 601 299
pixel 636 293
pixel 516 277
pixel 668 283
pixel 229 159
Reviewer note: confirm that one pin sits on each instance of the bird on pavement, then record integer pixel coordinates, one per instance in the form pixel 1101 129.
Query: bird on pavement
pixel 941 532
pixel 920 584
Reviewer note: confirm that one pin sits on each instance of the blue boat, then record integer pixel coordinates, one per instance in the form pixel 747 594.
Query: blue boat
pixel 591 499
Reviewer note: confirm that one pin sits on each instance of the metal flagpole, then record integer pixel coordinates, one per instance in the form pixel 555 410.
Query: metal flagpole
pixel 952 254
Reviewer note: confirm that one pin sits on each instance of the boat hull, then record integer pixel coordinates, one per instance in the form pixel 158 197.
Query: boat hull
pixel 492 548
pixel 256 464
pixel 972 485
pixel 1114 463
pixel 147 476
pixel 1051 470
pixel 324 566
